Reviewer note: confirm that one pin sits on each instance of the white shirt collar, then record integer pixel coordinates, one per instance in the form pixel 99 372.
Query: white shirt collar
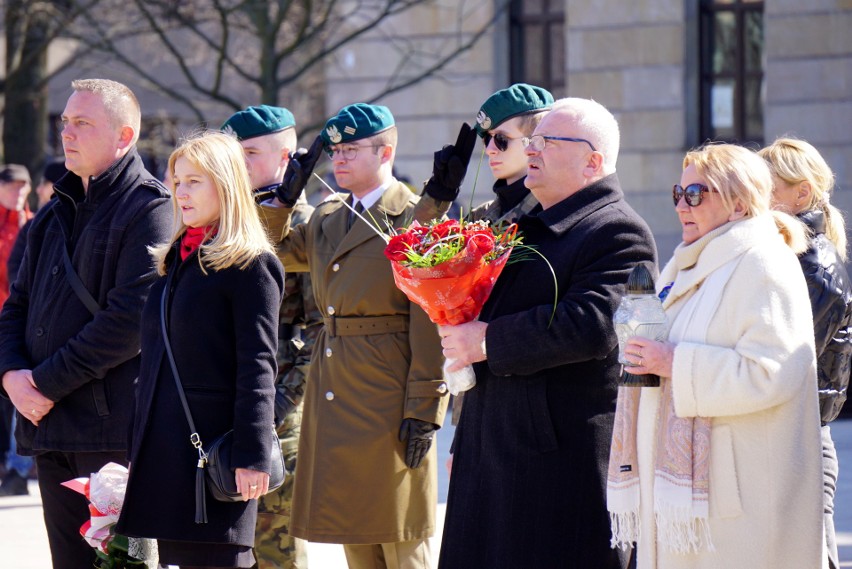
pixel 370 199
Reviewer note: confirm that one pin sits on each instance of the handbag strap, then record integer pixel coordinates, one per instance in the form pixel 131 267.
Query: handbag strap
pixel 77 285
pixel 194 438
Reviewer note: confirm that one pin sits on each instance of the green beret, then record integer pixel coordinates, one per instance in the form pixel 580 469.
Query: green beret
pixel 258 121
pixel 355 122
pixel 519 99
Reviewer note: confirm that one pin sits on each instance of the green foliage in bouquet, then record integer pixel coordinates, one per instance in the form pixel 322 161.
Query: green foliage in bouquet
pixel 423 246
pixel 117 554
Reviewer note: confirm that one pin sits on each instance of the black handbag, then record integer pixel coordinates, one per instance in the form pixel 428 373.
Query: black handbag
pixel 220 475
pixel 214 470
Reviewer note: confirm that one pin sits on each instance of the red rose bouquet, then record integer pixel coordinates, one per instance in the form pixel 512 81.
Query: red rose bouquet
pixel 449 270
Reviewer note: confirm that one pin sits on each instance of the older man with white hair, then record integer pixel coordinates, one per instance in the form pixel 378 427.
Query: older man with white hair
pixel 532 446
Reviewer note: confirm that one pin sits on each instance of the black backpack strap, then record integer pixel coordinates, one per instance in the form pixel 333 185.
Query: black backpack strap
pixel 77 285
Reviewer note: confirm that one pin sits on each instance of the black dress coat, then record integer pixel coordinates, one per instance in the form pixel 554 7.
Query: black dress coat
pixel 86 364
pixel 531 451
pixel 223 328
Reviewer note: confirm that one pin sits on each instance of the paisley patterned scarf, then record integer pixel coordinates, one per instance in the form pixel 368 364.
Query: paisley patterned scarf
pixel 681 464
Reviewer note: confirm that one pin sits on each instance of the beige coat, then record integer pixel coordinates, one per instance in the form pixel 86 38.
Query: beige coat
pixel 352 485
pixel 756 377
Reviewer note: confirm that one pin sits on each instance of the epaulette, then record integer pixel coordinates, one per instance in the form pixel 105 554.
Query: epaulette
pixel 157 186
pixel 335 198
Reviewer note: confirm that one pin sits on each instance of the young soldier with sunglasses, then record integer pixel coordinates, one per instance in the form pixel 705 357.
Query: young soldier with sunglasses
pixel 505 122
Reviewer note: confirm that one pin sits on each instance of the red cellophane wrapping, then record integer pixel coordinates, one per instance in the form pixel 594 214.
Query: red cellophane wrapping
pixel 453 292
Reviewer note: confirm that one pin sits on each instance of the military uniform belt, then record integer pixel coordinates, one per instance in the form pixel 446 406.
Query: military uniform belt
pixel 365 325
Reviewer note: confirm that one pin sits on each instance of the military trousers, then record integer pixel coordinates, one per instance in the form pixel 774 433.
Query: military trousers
pixel 274 547
pixel 416 554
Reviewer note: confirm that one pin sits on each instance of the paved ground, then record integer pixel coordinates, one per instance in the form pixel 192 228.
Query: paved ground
pixel 23 543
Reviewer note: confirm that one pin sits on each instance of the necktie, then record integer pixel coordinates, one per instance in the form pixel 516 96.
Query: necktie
pixel 359 208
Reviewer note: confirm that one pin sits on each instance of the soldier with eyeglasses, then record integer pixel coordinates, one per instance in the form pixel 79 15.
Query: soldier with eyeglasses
pixel 375 396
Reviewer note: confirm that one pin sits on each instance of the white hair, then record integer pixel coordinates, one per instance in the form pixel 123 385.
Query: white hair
pixel 597 124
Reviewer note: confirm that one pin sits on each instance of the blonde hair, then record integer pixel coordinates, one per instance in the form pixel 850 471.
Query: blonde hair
pixel 740 175
pixel 286 138
pixel 795 161
pixel 240 237
pixel 119 101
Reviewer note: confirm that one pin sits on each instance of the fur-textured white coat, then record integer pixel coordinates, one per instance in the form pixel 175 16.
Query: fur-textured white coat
pixel 756 377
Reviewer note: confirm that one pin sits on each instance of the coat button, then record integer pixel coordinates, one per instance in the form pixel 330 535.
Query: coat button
pixel 335 267
pixel 330 310
pixel 329 395
pixel 328 352
pixel 442 388
pixel 39 331
pixel 54 270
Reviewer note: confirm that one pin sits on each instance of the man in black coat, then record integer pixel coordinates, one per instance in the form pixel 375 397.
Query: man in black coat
pixel 69 333
pixel 531 450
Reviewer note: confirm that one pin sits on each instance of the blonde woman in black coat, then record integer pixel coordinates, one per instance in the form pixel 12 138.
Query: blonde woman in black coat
pixel 803 183
pixel 222 317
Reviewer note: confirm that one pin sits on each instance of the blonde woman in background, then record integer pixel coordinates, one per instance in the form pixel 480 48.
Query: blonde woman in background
pixel 719 466
pixel 803 186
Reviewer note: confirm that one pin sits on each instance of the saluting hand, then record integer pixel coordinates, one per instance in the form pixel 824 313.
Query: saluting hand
pixel 298 171
pixel 450 166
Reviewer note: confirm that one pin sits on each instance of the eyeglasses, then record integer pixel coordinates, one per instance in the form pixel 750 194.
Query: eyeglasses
pixel 348 152
pixel 538 142
pixel 501 141
pixel 693 194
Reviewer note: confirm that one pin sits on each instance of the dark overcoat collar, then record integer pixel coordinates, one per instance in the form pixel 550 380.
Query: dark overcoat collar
pixel 562 216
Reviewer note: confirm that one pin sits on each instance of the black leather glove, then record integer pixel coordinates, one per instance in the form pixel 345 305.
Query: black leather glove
pixel 450 166
pixel 419 434
pixel 298 172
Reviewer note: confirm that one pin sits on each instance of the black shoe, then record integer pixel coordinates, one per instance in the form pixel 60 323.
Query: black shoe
pixel 14 485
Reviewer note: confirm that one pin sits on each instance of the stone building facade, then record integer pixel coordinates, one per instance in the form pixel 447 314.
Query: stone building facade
pixel 674 72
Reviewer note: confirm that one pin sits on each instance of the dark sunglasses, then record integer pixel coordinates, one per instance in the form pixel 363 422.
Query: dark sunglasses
pixel 693 194
pixel 501 141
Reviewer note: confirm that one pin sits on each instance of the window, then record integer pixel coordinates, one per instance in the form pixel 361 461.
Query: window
pixel 537 44
pixel 730 82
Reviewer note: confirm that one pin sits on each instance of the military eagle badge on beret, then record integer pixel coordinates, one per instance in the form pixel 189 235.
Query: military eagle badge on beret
pixel 483 120
pixel 334 134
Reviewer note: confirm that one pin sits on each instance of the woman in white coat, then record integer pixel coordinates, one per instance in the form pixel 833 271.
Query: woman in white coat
pixel 720 465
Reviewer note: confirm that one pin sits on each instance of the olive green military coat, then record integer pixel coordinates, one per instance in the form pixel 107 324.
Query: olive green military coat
pixel 377 361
